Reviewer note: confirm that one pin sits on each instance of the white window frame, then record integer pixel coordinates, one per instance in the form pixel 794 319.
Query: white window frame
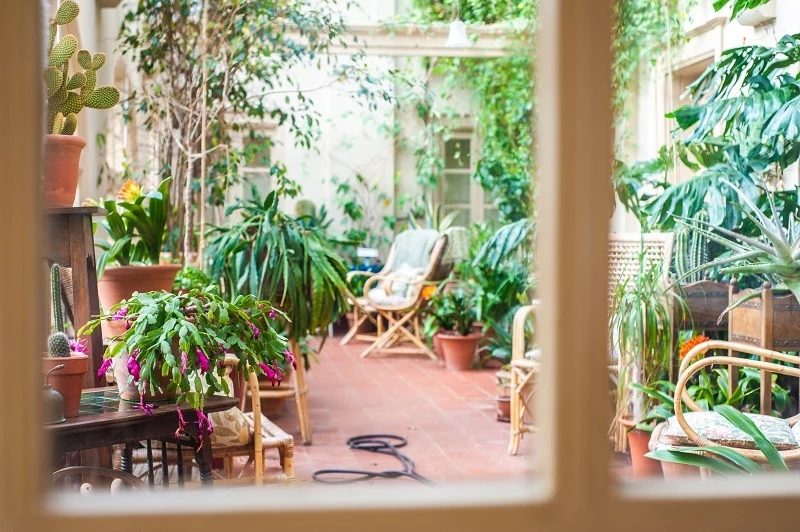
pixel 574 490
pixel 478 205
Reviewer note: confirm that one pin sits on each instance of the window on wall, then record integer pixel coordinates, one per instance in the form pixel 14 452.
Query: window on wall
pixel 459 192
pixel 257 164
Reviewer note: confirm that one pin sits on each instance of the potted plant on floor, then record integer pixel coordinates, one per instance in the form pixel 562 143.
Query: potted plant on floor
pixel 173 345
pixel 460 342
pixel 136 224
pixel 67 95
pixel 60 350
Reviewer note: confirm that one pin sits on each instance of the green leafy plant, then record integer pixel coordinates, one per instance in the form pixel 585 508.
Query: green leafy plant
pixel 738 5
pixel 723 460
pixel 775 254
pixel 368 219
pixel 183 338
pixel 191 278
pixel 430 217
pixel 68 94
pixel 452 310
pixel 136 223
pixel 269 254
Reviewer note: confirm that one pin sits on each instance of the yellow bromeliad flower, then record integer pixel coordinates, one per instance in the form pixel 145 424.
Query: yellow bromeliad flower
pixel 428 291
pixel 130 191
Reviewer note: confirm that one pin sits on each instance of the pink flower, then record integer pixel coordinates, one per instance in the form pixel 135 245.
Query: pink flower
pixel 133 365
pixel 278 372
pixel 202 359
pixel 256 332
pixel 120 314
pixel 269 372
pixel 203 423
pixel 104 368
pixel 184 362
pixel 289 357
pixel 181 424
pixel 272 314
pixel 79 346
pixel 146 408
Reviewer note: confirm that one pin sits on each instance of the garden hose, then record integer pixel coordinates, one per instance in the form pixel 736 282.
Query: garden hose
pixel 387 444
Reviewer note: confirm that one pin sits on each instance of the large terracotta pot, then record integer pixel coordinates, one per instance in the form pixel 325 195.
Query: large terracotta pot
pixel 437 347
pixel 459 351
pixel 62 155
pixel 130 392
pixel 120 282
pixel 639 441
pixel 68 381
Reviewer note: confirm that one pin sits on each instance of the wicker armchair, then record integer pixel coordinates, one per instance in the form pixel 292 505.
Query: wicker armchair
pixel 524 368
pixel 664 435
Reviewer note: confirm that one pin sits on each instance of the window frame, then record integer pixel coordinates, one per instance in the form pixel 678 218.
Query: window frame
pixel 575 489
pixel 478 204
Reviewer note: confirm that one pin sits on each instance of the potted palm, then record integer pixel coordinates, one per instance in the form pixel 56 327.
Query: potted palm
pixel 136 225
pixel 67 94
pixel 173 345
pixel 61 351
pixel 460 342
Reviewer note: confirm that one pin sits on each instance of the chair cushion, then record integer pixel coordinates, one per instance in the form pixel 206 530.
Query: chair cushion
pixel 534 354
pixel 230 428
pixel 379 297
pixel 716 428
pixel 401 279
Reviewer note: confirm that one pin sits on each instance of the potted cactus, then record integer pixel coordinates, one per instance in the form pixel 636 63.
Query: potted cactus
pixel 61 350
pixel 67 95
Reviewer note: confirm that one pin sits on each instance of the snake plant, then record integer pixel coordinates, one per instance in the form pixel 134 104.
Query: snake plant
pixel 776 255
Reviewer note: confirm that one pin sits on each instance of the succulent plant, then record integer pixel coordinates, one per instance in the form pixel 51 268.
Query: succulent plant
pixel 68 94
pixel 58 345
pixel 775 255
pixel 55 295
pixel 691 249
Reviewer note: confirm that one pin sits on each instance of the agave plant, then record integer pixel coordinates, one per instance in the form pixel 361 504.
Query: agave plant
pixel 776 255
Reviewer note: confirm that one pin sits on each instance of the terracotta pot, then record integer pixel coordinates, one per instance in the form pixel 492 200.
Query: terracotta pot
pixel 459 351
pixel 639 443
pixel 120 282
pixel 503 409
pixel 68 381
pixel 129 392
pixel 437 346
pixel 62 155
pixel 672 470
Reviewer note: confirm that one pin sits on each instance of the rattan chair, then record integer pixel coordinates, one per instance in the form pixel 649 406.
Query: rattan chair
pixel 524 369
pixel 397 297
pixel 692 365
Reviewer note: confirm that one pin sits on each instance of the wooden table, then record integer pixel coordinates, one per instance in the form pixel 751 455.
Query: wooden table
pixel 104 419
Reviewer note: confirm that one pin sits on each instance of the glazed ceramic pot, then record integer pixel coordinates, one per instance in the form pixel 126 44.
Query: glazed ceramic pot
pixel 68 381
pixel 120 282
pixel 62 155
pixel 459 351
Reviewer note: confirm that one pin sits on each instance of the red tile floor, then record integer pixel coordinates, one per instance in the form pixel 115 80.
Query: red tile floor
pixel 447 417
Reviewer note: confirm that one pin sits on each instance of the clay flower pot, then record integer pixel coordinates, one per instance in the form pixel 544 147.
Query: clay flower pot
pixel 639 441
pixel 62 155
pixel 459 351
pixel 120 282
pixel 68 381
pixel 437 347
pixel 503 408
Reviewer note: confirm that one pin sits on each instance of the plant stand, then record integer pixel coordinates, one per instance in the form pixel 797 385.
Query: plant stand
pixel 767 320
pixel 707 300
pixel 71 245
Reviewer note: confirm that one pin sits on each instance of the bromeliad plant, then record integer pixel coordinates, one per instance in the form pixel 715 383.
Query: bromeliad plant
pixel 136 223
pixel 68 94
pixel 775 254
pixel 182 339
pixel 452 310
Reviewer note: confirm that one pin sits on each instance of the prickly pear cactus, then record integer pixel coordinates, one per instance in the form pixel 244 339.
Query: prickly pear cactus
pixel 691 250
pixel 58 345
pixel 68 95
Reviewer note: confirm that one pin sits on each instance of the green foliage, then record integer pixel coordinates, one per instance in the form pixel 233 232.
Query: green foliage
pixel 58 345
pixel 691 249
pixel 55 298
pixel 775 253
pixel 723 460
pixel 432 218
pixel 452 310
pixel 136 224
pixel 68 95
pixel 191 278
pixel 368 219
pixel 738 5
pixel 203 326
pixel 271 255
